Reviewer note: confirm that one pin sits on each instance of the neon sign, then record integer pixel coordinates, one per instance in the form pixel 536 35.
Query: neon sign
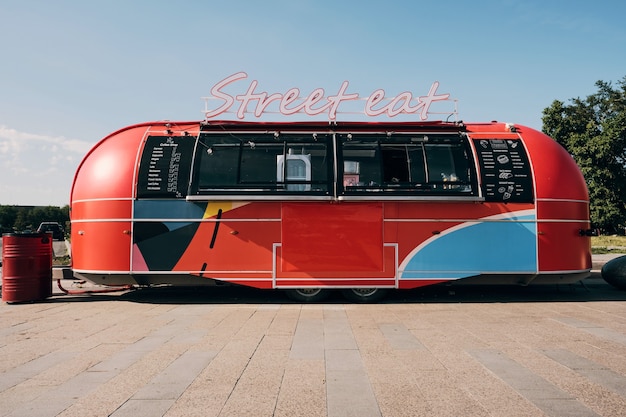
pixel 290 102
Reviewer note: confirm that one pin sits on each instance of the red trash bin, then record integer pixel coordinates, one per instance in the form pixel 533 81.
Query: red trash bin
pixel 26 267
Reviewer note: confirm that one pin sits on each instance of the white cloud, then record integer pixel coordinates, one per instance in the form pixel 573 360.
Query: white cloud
pixel 20 139
pixel 37 169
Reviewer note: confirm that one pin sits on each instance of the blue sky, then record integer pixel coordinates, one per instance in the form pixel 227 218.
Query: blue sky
pixel 72 72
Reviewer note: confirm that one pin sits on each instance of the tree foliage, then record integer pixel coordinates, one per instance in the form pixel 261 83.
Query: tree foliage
pixel 593 130
pixel 21 218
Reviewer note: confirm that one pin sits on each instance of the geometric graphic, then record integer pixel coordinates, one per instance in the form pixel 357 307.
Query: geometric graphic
pixel 504 243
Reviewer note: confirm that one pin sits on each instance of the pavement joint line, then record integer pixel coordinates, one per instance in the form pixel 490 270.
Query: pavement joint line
pixel 544 395
pixel 595 330
pixel 593 371
pixel 400 338
pixel 348 388
pixel 34 367
pixel 170 383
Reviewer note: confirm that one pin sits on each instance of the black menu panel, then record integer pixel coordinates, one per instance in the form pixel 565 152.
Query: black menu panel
pixel 165 166
pixel 505 170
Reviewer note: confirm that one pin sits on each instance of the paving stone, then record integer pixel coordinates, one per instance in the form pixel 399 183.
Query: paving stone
pixel 520 352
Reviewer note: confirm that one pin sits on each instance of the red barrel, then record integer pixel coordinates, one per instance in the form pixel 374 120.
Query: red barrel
pixel 26 267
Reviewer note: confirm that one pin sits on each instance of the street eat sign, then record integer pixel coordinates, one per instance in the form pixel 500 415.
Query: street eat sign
pixel 316 102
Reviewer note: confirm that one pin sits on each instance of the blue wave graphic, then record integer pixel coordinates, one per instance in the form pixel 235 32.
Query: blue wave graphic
pixel 506 245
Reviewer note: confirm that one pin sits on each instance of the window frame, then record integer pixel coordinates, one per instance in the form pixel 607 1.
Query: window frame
pixel 406 188
pixel 333 187
pixel 314 188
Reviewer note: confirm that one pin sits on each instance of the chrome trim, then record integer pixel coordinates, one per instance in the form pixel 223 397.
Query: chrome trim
pixel 387 197
pixel 347 286
pixel 267 197
pixel 561 200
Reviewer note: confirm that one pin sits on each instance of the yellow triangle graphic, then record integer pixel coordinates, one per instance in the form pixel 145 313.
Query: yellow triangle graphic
pixel 212 208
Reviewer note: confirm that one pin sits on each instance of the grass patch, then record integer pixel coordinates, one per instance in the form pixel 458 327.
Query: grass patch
pixel 612 240
pixel 608 244
pixel 62 260
pixel 601 250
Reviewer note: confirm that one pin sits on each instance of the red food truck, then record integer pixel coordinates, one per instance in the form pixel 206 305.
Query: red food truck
pixel 309 207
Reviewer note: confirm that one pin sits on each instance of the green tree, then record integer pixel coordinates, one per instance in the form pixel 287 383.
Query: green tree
pixel 20 218
pixel 8 215
pixel 593 130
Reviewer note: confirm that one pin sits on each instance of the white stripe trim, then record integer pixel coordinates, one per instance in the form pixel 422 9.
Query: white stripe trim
pixel 575 271
pixel 102 220
pixel 91 200
pixel 561 200
pixel 185 220
pixel 283 287
pixel 109 272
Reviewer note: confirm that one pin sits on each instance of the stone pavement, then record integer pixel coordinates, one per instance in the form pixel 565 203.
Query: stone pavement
pixel 438 351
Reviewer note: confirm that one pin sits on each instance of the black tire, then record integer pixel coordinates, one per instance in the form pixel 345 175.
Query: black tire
pixel 307 295
pixel 614 272
pixel 364 295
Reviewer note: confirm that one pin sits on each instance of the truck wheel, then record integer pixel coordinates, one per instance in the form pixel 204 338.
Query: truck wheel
pixel 307 295
pixel 364 295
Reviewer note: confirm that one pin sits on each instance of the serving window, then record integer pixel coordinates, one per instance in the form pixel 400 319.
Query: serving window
pixel 331 165
pixel 264 164
pixel 405 164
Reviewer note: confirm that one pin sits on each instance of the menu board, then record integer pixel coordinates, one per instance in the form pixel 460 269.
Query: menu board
pixel 165 166
pixel 505 170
